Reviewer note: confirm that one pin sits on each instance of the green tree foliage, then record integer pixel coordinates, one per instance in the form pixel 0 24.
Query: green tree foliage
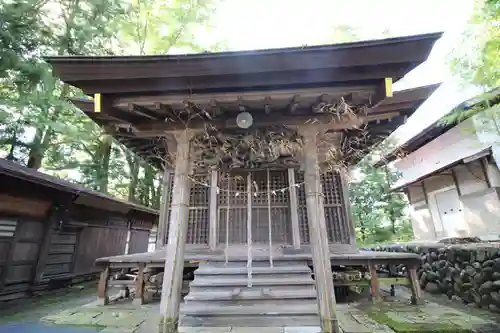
pixel 380 215
pixel 39 127
pixel 477 59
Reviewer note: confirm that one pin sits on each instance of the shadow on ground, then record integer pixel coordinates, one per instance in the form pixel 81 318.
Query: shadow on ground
pixel 24 316
pixel 39 328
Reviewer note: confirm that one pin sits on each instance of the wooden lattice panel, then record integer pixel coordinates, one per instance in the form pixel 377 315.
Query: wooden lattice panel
pixel 198 218
pixel 279 203
pixel 237 187
pixel 334 206
pixel 198 225
pixel 332 188
pixel 302 208
pixel 170 184
pixel 232 195
pixel 237 225
pixel 335 210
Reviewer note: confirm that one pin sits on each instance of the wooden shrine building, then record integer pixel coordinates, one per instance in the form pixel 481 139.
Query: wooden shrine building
pixel 254 145
pixel 52 231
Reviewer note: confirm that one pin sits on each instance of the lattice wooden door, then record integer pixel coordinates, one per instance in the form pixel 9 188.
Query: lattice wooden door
pixel 233 198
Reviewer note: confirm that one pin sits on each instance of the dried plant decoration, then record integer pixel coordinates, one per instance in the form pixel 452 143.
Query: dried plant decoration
pixel 277 146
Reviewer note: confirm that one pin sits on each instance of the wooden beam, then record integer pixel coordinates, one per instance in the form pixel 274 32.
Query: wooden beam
pixel 245 95
pixel 319 104
pixel 294 104
pixel 166 111
pixel 143 111
pixel 153 129
pixel 215 108
pixel 267 105
pixel 189 106
pixel 106 110
pixel 383 91
pixel 394 107
pixel 241 106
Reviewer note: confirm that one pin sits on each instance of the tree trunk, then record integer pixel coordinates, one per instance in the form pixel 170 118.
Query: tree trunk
pixel 389 199
pixel 134 166
pixel 35 154
pixel 157 200
pixel 103 157
pixel 149 188
pixel 13 145
pixel 42 138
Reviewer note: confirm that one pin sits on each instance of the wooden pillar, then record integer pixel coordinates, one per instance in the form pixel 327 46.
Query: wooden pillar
pixel 374 284
pixel 347 206
pixel 163 219
pixel 174 262
pixel 317 228
pixel 416 292
pixel 294 214
pixel 212 234
pixel 139 286
pixel 102 289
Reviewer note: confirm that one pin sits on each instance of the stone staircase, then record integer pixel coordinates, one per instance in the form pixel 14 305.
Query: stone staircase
pixel 283 295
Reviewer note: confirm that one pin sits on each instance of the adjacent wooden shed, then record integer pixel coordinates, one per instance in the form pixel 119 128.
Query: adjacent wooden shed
pixel 51 230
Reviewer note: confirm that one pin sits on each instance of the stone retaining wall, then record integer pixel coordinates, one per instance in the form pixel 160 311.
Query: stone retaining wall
pixel 466 271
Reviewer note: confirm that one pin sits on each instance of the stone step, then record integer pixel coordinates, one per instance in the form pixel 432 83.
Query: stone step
pixel 306 307
pixel 244 275
pixel 255 263
pixel 276 270
pixel 269 303
pixel 250 321
pixel 252 294
pixel 226 288
pixel 256 281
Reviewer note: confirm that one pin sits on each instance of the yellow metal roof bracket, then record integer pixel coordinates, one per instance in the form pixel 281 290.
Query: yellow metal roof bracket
pixel 97 102
pixel 388 87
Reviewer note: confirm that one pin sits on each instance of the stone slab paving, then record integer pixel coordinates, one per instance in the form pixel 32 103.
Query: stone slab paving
pixel 81 314
pixel 387 317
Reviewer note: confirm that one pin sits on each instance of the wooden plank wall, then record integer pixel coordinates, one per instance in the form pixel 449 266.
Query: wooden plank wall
pixel 139 240
pixel 20 243
pixel 59 262
pixel 95 242
pixel 37 248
